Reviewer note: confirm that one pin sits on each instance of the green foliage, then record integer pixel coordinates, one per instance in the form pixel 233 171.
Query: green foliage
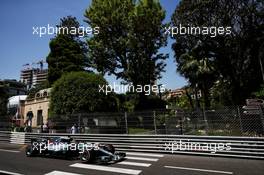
pixel 67 52
pixel 131 33
pixel 150 102
pixel 232 59
pixel 180 102
pixel 131 102
pixel 183 102
pixel 127 102
pixel 78 92
pixel 260 92
pixel 3 100
pixel 138 130
pixel 129 106
pixel 218 97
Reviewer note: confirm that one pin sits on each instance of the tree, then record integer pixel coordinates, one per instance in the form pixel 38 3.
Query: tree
pixel 260 92
pixel 131 33
pixel 78 92
pixel 67 51
pixel 220 93
pixel 235 57
pixel 199 69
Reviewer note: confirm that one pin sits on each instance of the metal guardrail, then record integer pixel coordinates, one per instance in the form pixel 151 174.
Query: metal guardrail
pixel 4 136
pixel 241 147
pixel 18 137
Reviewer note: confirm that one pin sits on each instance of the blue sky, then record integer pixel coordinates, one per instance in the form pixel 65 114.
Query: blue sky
pixel 19 46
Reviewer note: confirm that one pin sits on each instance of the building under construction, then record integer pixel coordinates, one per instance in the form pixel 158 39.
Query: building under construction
pixel 33 76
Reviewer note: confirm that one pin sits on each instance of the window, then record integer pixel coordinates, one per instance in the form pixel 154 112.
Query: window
pixel 39 117
pixel 38 95
pixel 45 94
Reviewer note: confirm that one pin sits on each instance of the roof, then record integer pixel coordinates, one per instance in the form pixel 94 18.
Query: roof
pixel 14 100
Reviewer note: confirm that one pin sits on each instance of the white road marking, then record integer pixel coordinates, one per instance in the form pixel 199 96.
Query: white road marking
pixel 61 173
pixel 107 168
pixel 134 163
pixel 142 158
pixel 143 154
pixel 202 170
pixel 8 172
pixel 11 151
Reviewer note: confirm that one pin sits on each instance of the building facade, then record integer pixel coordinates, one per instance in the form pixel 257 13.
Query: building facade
pixel 37 109
pixel 176 93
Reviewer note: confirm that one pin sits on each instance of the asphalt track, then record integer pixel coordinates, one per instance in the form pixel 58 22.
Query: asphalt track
pixel 13 161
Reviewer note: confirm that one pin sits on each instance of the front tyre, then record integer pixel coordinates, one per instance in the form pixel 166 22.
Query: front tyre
pixel 30 152
pixel 87 156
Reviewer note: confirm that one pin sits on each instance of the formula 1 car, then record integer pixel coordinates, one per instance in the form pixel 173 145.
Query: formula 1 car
pixel 65 147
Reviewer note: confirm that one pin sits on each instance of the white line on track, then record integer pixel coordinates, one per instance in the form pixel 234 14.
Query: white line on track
pixel 107 168
pixel 144 154
pixel 8 172
pixel 134 164
pixel 61 173
pixel 142 158
pixel 11 151
pixel 201 170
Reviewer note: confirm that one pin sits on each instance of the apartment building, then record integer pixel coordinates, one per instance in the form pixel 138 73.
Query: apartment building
pixel 33 76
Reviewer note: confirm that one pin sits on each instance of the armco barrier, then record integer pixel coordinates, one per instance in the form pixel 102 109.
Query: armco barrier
pixel 17 137
pixel 241 147
pixel 4 136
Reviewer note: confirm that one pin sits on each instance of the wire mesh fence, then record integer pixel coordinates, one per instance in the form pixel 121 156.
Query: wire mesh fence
pixel 225 121
pixel 5 123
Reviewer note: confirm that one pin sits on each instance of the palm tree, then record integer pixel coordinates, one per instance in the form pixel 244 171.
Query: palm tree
pixel 198 67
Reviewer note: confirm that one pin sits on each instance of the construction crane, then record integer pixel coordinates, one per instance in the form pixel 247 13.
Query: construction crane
pixel 40 63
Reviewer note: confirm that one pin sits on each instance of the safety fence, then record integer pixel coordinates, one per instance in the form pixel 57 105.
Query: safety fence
pixel 224 121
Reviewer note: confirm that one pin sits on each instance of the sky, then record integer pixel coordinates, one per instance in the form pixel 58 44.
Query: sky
pixel 19 46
